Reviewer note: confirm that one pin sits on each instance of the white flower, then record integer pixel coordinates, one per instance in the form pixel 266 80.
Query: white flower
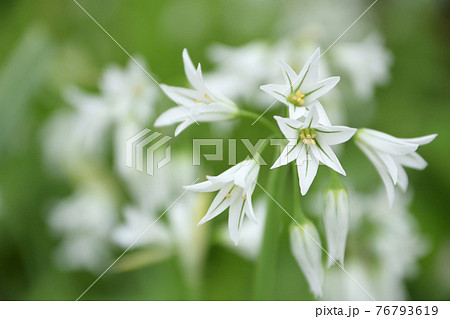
pixel 199 104
pixel 305 246
pixel 309 140
pixel 389 154
pixel 336 220
pixel 236 186
pixel 303 88
pixel 84 220
pixel 366 62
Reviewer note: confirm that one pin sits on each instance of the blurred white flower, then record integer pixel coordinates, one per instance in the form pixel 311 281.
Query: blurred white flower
pixel 309 143
pixel 126 99
pixel 84 220
pixel 199 104
pixel 303 88
pixel 336 219
pixel 367 63
pixel 381 256
pixel 305 246
pixel 389 154
pixel 136 221
pixel 236 186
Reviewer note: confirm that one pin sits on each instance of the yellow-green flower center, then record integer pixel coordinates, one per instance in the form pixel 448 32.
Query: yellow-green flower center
pixel 296 98
pixel 307 136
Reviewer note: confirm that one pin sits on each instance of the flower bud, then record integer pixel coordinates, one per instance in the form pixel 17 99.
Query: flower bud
pixel 307 250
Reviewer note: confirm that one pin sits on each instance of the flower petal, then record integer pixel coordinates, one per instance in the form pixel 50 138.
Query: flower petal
pixel 316 90
pixel 180 128
pixel 219 204
pixel 206 186
pixel 288 127
pixel 324 153
pixel 385 142
pixel 289 74
pixel 278 91
pixel 382 171
pixel 333 135
pixel 307 170
pixel 171 116
pixel 412 160
pixel 290 153
pixel 235 218
pixel 420 140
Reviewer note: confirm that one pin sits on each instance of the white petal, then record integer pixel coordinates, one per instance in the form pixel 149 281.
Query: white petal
pixel 320 88
pixel 336 219
pixel 307 170
pixel 290 153
pixel 278 91
pixel 305 246
pixel 382 171
pixel 183 126
pixel 420 140
pixel 390 165
pixel 385 142
pixel 402 178
pixel 324 153
pixel 206 186
pixel 219 204
pixel 333 135
pixel 312 118
pixel 194 76
pixel 323 117
pixel 296 112
pixel 249 206
pixel 288 127
pixel 171 116
pixel 306 69
pixel 180 95
pixel 289 74
pixel 227 176
pixel 235 218
pixel 412 160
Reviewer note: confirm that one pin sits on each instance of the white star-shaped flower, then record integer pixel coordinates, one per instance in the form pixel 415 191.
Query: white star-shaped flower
pixel 309 139
pixel 303 88
pixel 235 186
pixel 199 104
pixel 389 154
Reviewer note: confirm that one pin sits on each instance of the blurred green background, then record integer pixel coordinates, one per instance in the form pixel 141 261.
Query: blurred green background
pixel 47 45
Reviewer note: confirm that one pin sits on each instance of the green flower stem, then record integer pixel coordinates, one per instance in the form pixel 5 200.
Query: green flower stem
pixel 255 116
pixel 268 255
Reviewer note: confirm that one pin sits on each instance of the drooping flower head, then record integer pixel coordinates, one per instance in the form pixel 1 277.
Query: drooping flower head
pixel 389 154
pixel 235 186
pixel 309 139
pixel 199 104
pixel 303 88
pixel 307 251
pixel 336 221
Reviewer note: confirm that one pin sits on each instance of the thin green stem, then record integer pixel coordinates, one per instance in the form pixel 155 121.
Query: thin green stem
pixel 255 116
pixel 268 256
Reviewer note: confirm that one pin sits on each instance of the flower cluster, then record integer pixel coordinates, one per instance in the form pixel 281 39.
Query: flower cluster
pixel 310 136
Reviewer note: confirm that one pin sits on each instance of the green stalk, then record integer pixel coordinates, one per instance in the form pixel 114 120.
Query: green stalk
pixel 268 255
pixel 259 118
